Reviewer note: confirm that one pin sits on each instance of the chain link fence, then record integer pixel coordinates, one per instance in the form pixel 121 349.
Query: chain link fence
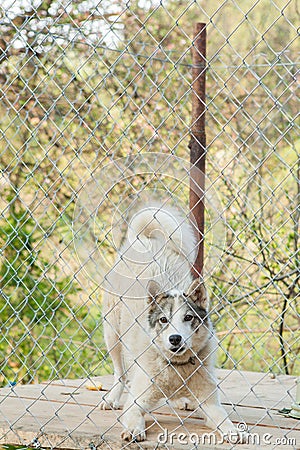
pixel 95 122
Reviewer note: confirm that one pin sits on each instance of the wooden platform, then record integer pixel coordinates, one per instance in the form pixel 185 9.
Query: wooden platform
pixel 65 414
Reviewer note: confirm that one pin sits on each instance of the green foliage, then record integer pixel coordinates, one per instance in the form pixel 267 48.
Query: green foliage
pixel 40 336
pixel 23 272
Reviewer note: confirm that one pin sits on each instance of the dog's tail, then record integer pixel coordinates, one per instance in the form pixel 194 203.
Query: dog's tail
pixel 167 227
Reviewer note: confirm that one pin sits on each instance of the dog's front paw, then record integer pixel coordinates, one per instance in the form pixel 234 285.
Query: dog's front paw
pixel 135 434
pixel 134 427
pixel 109 404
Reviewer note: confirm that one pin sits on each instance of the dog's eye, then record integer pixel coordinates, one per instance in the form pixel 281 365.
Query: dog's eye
pixel 163 320
pixel 188 318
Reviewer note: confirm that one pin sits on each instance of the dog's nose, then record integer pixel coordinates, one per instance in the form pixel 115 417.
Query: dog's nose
pixel 175 339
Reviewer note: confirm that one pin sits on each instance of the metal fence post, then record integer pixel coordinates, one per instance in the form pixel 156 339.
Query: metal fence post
pixel 197 143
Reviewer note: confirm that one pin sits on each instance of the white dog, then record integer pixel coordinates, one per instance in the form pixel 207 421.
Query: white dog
pixel 156 325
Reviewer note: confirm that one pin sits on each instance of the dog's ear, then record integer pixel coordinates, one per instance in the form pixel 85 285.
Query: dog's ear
pixel 198 294
pixel 153 289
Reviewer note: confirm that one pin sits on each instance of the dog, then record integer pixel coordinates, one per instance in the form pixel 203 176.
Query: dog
pixel 157 327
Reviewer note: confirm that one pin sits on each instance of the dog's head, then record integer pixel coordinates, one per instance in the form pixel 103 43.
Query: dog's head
pixel 179 321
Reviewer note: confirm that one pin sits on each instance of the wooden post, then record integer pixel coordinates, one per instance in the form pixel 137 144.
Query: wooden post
pixel 197 143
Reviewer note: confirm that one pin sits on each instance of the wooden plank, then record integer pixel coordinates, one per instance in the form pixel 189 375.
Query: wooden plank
pixel 252 416
pixel 64 414
pixel 82 396
pixel 256 389
pixel 237 388
pixel 65 426
pixel 105 380
pixel 56 393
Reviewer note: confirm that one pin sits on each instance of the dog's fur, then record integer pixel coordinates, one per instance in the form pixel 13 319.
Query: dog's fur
pixel 156 325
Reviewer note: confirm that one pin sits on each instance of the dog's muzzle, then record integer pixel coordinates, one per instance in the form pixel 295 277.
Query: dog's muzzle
pixel 177 343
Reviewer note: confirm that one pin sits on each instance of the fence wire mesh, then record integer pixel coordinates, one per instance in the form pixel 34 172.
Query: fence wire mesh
pixel 95 123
